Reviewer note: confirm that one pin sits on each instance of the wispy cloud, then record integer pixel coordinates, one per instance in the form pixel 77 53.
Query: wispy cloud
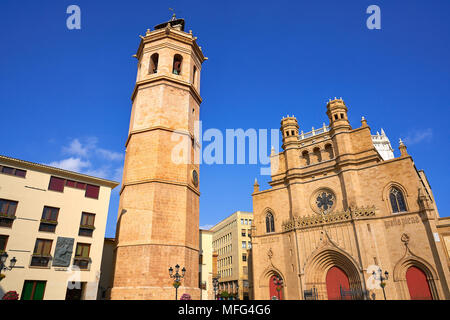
pixel 72 164
pixel 88 158
pixel 206 226
pixel 419 136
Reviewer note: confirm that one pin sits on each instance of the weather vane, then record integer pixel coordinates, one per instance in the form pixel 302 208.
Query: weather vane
pixel 173 16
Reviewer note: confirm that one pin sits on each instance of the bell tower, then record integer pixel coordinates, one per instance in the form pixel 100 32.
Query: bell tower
pixel 158 218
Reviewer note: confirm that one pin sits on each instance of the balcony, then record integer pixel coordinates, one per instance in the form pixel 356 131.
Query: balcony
pixel 6 220
pixel 40 261
pixel 84 263
pixel 48 225
pixel 86 230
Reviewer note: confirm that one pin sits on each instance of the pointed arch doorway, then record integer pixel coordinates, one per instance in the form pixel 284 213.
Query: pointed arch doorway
pixel 335 279
pixel 417 284
pixel 276 287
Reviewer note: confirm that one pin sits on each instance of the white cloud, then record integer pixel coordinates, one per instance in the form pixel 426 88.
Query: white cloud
pixel 206 227
pixel 110 155
pixel 419 136
pixel 88 158
pixel 71 164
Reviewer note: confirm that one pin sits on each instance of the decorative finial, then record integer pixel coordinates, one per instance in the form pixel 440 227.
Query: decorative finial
pixel 190 31
pixel 256 182
pixel 400 142
pixel 141 37
pixel 362 118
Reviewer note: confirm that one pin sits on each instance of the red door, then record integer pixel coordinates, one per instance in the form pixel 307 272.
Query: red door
pixel 418 284
pixel 273 289
pixel 335 279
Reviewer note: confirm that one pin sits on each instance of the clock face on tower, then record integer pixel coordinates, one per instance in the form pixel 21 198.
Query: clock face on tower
pixel 195 178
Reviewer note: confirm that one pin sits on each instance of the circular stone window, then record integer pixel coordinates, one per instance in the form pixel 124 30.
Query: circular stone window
pixel 323 201
pixel 195 178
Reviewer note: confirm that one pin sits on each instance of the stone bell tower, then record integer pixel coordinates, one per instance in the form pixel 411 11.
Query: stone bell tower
pixel 158 219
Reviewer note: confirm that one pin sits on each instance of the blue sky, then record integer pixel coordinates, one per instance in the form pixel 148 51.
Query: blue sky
pixel 65 94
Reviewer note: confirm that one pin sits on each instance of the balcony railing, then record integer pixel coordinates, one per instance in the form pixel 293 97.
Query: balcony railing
pixel 40 261
pixel 314 132
pixel 84 263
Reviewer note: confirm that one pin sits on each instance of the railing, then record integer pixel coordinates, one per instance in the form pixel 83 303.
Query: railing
pixel 83 263
pixel 354 294
pixel 311 294
pixel 41 261
pixel 314 132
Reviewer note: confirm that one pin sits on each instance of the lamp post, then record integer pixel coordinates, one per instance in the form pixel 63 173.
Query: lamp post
pixel 382 284
pixel 278 284
pixel 177 278
pixel 216 286
pixel 3 258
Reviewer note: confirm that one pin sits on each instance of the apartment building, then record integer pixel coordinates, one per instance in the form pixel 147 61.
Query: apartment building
pixel 52 225
pixel 231 241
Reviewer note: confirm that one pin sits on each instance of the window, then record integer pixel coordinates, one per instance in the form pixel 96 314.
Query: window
pixel 335 117
pixel 194 76
pixel 244 257
pixel 82 259
pixel 249 232
pixel 329 151
pixel 242 221
pixel 7 212
pixel 13 171
pixel 71 183
pixel 3 242
pixel 49 219
pixel 246 221
pixel 92 191
pixel 87 224
pixel 250 221
pixel 41 254
pixel 177 60
pixel 397 201
pixel 306 159
pixel 243 233
pixel 33 290
pixel 56 184
pixel 270 225
pixel 249 245
pixel 154 63
pixel 244 245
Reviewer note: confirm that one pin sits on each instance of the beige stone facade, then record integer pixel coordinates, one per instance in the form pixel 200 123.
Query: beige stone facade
pixel 206 265
pixel 336 212
pixel 158 218
pixel 44 210
pixel 231 241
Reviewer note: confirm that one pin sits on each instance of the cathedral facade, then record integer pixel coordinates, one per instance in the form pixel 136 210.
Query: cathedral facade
pixel 345 219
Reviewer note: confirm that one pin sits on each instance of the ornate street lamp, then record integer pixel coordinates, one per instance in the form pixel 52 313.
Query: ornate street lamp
pixel 382 279
pixel 278 284
pixel 215 285
pixel 12 263
pixel 177 278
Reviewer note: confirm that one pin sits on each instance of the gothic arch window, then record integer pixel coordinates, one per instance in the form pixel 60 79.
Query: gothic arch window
pixel 397 200
pixel 177 60
pixel 317 155
pixel 329 151
pixel 270 223
pixel 305 156
pixel 194 76
pixel 154 63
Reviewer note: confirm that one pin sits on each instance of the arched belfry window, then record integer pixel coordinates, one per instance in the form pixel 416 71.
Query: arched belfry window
pixel 270 223
pixel 154 63
pixel 177 60
pixel 397 200
pixel 194 76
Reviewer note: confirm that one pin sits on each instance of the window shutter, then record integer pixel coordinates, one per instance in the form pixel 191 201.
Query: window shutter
pixel 92 191
pixel 56 184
